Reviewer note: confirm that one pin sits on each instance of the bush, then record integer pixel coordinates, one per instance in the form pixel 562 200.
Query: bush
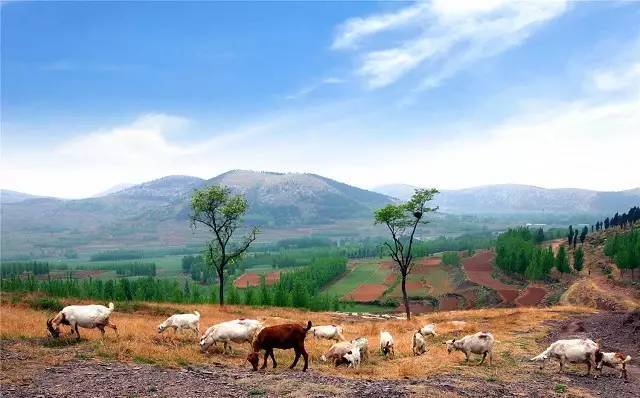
pixel 45 303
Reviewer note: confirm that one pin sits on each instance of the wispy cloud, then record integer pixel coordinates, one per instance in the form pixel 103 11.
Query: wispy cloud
pixel 441 37
pixel 311 88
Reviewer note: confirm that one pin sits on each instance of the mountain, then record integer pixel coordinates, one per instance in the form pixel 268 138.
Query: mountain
pixel 156 212
pixel 113 189
pixel 399 191
pixel 512 198
pixel 7 196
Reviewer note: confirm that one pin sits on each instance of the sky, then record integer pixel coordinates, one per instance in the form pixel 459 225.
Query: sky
pixel 441 94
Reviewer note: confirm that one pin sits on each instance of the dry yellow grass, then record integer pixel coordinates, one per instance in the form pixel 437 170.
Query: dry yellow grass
pixel 516 330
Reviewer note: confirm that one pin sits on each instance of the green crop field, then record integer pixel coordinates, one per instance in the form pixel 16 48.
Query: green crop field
pixel 361 271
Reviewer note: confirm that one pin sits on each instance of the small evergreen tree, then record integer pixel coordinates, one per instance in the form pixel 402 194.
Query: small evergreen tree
pixel 578 259
pixel 562 264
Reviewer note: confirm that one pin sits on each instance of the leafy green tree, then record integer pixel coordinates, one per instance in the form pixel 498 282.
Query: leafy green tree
pixel 402 221
pixel 578 259
pixel 221 213
pixel 540 235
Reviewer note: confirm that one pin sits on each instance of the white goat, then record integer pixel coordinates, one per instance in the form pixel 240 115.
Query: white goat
pixel 84 316
pixel 418 343
pixel 363 345
pixel 181 322
pixel 353 357
pixel 337 351
pixel 616 360
pixel 329 332
pixel 428 329
pixel 480 343
pixel 237 331
pixel 386 343
pixel 573 351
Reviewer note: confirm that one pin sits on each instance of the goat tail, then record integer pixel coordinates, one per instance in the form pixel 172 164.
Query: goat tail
pixel 627 359
pixel 542 356
pixel 196 313
pixel 111 307
pixel 308 326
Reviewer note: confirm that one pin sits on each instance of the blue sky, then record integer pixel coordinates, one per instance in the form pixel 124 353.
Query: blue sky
pixel 446 94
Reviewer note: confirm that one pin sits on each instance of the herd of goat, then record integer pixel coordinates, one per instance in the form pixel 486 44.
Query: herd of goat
pixel 350 353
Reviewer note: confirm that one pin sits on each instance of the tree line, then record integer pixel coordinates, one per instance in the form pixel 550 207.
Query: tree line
pixel 299 288
pixel 517 253
pixel 626 219
pixel 624 249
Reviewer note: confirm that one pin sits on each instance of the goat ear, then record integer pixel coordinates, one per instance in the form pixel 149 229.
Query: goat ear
pixel 453 341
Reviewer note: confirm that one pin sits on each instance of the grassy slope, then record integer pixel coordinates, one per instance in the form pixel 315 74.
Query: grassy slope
pixel 516 329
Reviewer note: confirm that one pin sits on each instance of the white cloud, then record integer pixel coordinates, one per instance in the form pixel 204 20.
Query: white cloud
pixel 441 37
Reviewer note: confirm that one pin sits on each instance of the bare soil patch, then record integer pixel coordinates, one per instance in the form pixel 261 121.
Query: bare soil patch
pixel 366 292
pixel 390 279
pixel 532 295
pixel 448 303
pixel 251 279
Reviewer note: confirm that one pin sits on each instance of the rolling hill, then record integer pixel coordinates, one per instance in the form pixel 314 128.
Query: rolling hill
pixel 156 212
pixel 512 198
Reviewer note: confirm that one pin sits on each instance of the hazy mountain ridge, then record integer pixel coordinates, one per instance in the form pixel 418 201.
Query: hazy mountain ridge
pixel 506 198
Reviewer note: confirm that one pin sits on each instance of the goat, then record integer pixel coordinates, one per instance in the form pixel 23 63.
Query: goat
pixel 386 343
pixel 616 360
pixel 284 337
pixel 336 352
pixel 353 357
pixel 84 316
pixel 363 345
pixel 573 351
pixel 428 329
pixel 237 331
pixel 480 343
pixel 419 345
pixel 181 322
pixel 329 332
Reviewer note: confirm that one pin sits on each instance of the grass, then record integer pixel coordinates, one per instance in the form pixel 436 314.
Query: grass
pixel 361 271
pixel 139 342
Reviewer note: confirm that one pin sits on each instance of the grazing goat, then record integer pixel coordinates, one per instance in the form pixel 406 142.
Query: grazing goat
pixel 480 343
pixel 284 337
pixel 419 345
pixel 363 345
pixel 573 351
pixel 84 316
pixel 181 322
pixel 353 357
pixel 237 331
pixel 386 344
pixel 429 329
pixel 329 332
pixel 616 360
pixel 336 352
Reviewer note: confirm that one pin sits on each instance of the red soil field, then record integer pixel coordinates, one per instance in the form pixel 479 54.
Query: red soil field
pixel 251 279
pixel 366 293
pixel 87 274
pixel 417 285
pixel 386 265
pixel 479 268
pixel 390 279
pixel 532 295
pixel 424 263
pixel 448 303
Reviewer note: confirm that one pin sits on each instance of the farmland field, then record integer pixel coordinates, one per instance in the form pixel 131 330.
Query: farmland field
pixel 359 272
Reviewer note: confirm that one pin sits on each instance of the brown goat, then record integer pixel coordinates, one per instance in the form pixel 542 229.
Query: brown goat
pixel 284 337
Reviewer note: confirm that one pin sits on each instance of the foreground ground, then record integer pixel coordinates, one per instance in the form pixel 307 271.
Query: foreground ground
pixel 140 363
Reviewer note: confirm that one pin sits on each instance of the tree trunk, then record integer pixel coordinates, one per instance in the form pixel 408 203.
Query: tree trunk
pixel 221 293
pixel 404 297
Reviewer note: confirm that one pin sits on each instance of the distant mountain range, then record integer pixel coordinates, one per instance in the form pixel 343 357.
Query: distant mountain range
pixel 155 213
pixel 513 198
